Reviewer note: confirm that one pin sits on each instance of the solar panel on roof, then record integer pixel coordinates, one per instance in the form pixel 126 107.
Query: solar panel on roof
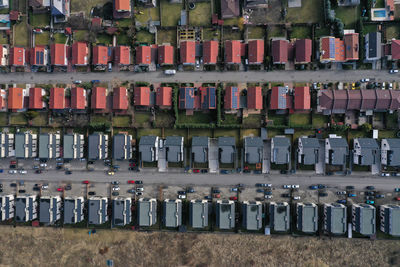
pixel 37 57
pixel 331 48
pixel 211 94
pixel 282 98
pixel 235 93
pixel 42 58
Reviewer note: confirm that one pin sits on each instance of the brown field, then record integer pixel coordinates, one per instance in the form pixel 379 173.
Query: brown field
pixel 74 247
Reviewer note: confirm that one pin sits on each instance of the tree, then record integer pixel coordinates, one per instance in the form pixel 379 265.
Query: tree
pixel 366 127
pixel 30 115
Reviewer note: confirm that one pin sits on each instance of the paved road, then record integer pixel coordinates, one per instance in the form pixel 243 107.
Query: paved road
pixel 251 76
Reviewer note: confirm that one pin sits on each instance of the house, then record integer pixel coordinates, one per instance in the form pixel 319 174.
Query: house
pixel 253 150
pixel 336 150
pixel 4 55
pixel 142 96
pixel 390 219
pixel 252 215
pixel 225 214
pixel 373 46
pixel 198 213
pixel 308 151
pixel 60 10
pixel 302 98
pixel 200 146
pixel 121 211
pixel 348 2
pixel 279 51
pixel 120 98
pixel 3 97
pixel 39 56
pixel 303 51
pixel 365 151
pixel 256 3
pixel 254 98
pixel 99 98
pixel 148 148
pixel 230 9
pixel 280 150
pixel 122 55
pixel 25 208
pixel 16 99
pixel 210 52
pixel 335 218
pixel 256 52
pixel 49 146
pixel 6 145
pixel 73 210
pixel 80 54
pixel 307 217
pixel 174 148
pixel 187 52
pixel 390 152
pixel 36 98
pixel 227 150
pixel 100 55
pixel 6 207
pixel 279 216
pixel 208 98
pixel 143 55
pixel 231 98
pixel 336 50
pixel 59 55
pixel 122 147
pixel 351 46
pixel 233 54
pixel 186 98
pixel 97 210
pixel 164 97
pixel 165 54
pixel 73 146
pixel 17 56
pixel 50 209
pixel 98 146
pixel 395 50
pixel 57 98
pixel 172 213
pixel 147 211
pixel 279 98
pixel 25 145
pixel 122 6
pixel 363 218
pixel 78 98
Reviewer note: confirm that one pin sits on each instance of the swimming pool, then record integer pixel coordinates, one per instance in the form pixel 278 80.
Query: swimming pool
pixel 380 13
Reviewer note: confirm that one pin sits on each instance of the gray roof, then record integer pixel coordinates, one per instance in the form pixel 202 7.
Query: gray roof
pixel 225 214
pixel 21 143
pixel 307 218
pixel 7 207
pixel 338 152
pixel 122 148
pixel 200 149
pixel 311 148
pixel 172 214
pixel 198 214
pixel 94 144
pixel 121 210
pixel 253 149
pixel 391 220
pixel 7 146
pixel 147 212
pixel 227 149
pixel 369 151
pixel 22 203
pixel 71 146
pixel 73 210
pixel 97 210
pixel 147 148
pixel 174 147
pixel 364 219
pixel 336 218
pixel 47 150
pixel 252 215
pixel 49 210
pixel 281 150
pixel 393 156
pixel 279 216
pixel 373 46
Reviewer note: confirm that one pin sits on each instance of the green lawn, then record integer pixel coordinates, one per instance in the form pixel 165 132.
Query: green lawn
pixel 277 119
pixel 197 117
pixel 60 38
pixel 249 132
pixel 3 38
pixel 232 34
pixel 275 31
pixel 164 119
pixel 210 34
pixel 121 121
pixel 200 15
pixel 145 37
pixel 256 32
pixel 42 38
pixel 166 36
pixel 3 118
pixel 392 121
pixel 80 35
pixel 253 120
pixel 86 5
pixel 40 20
pixel 311 11
pixel 18 119
pixel 104 39
pixel 141 118
pixel 319 120
pixel 148 131
pixel 322 32
pixel 301 32
pixel 199 132
pixel 386 134
pixel 40 120
pixel 230 119
pixel 148 14
pixel 299 133
pixel 392 31
pixel 231 21
pixel 99 119
pixel 299 119
pixel 370 28
pixel 21 35
pixel 123 39
pixel 348 15
pixel 124 23
pixel 170 13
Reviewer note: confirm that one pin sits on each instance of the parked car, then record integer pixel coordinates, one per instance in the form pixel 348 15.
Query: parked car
pixel 22 191
pixel 67 172
pixel 287 186
pixel 234 189
pixel 217 196
pixel 169 72
pixel 86 182
pixel 115 194
pixel 13 185
pixel 196 171
pixel 296 198
pixel 216 191
pixel 369 193
pixel 322 194
pixel 77 82
pixel 371 202
pixel 204 171
pixel 22 172
pixel 12 171
pixel 321 186
pixel 351 195
pixel 224 172
pixel 45 186
pixel 182 196
pixel 116 188
pixel 207 197
pixel 139 193
pixel 369 197
pixel 392 71
pixel 295 186
pixel 285 195
pixel 397 189
pixel 397 198
pixel 266 185
pixel 341 192
pixel 131 191
pixel 233 198
pixel 60 189
pixel 68 187
pixel 313 187
pixel 138 182
pixel 350 187
pixel 267 196
pixel 383 174
pixel 43 165
pixel 38 171
pixel 259 185
pixel 115 183
pixel 190 190
pixel 139 189
pixel 342 201
pixel 370 187
pixel 181 193
pixel 380 196
pixel 268 193
pixel 92 193
pixel 260 190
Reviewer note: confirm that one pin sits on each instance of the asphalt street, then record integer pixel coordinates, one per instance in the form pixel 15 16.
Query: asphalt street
pixel 200 76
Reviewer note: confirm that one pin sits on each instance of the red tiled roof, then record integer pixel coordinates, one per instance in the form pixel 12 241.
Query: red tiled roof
pixel 368 99
pixel 254 98
pixel 166 55
pixel 143 55
pixel 122 5
pixel 78 98
pixel 354 102
pixel 2 102
pixel 59 54
pixel 233 52
pixel 99 98
pixel 302 98
pixel 339 50
pixel 325 48
pixel 339 99
pixel 17 56
pixel 188 52
pixel 57 98
pixel 280 98
pixel 256 51
pixel 395 47
pixel 142 96
pixel 325 98
pixel 303 50
pixel 37 56
pixel 395 103
pixel 15 98
pixel 210 52
pixel 280 51
pixel 164 96
pixel 229 95
pixel 100 55
pixel 96 22
pixel 79 53
pixel 122 55
pixel 351 46
pixel 14 15
pixel 35 98
pixel 120 98
pixel 383 99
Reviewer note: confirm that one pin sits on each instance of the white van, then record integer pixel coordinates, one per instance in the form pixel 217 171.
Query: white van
pixel 169 72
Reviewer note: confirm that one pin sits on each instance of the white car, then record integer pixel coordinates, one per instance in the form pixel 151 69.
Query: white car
pixel 182 196
pixel 116 188
pixel 45 186
pixel 140 189
pixel 287 186
pixel 43 165
pixel 267 196
pixel 295 186
pixel 23 172
pixel 341 193
pixel 169 72
pixel 296 198
pixel 12 171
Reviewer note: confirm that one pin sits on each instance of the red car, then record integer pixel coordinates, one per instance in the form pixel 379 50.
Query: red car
pixel 86 182
pixel 13 162
pixel 132 164
pixel 398 198
pixel 60 189
pixel 216 196
pixel 131 182
pixel 196 170
pixel 233 198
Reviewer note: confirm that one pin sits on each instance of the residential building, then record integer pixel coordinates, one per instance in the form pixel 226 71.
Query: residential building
pixel 39 56
pixel 365 151
pixel 80 54
pixel 279 216
pixel 210 52
pixel 147 211
pixel 122 6
pixel 280 150
pixel 25 145
pixel 49 145
pixel 302 98
pixel 303 51
pixel 390 219
pixel 16 99
pixel 164 97
pixel 121 211
pixel 308 151
pixel 50 209
pixel 254 98
pixel 336 150
pixel 99 98
pixel 6 207
pixel 230 9
pixel 336 50
pixel 78 98
pixel 307 217
pixel 142 96
pixel 4 55
pixel 174 148
pixel 57 99
pixel 172 212
pixel 120 98
pixel 17 56
pixel 36 98
pixel 227 150
pixel 256 52
pixel 364 219
pixel 394 50
pixel 390 152
pixel 97 210
pixel 279 51
pixel 279 98
pixel 208 98
pixel 60 10
pixel 148 148
pixel 231 98
pixel 373 46
pixel 143 55
pixel 25 208
pixel 3 97
pixel 225 214
pixel 122 55
pixel 233 51
pixel 187 52
pixel 198 213
pixel 186 98
pixel 73 210
pixel 200 146
pixel 59 55
pixel 6 145
pixel 98 146
pixel 122 147
pixel 165 54
pixel 252 215
pixel 335 218
pixel 253 150
pixel 73 146
pixel 100 56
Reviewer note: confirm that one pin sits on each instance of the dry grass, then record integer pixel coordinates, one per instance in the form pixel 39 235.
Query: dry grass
pixel 74 247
